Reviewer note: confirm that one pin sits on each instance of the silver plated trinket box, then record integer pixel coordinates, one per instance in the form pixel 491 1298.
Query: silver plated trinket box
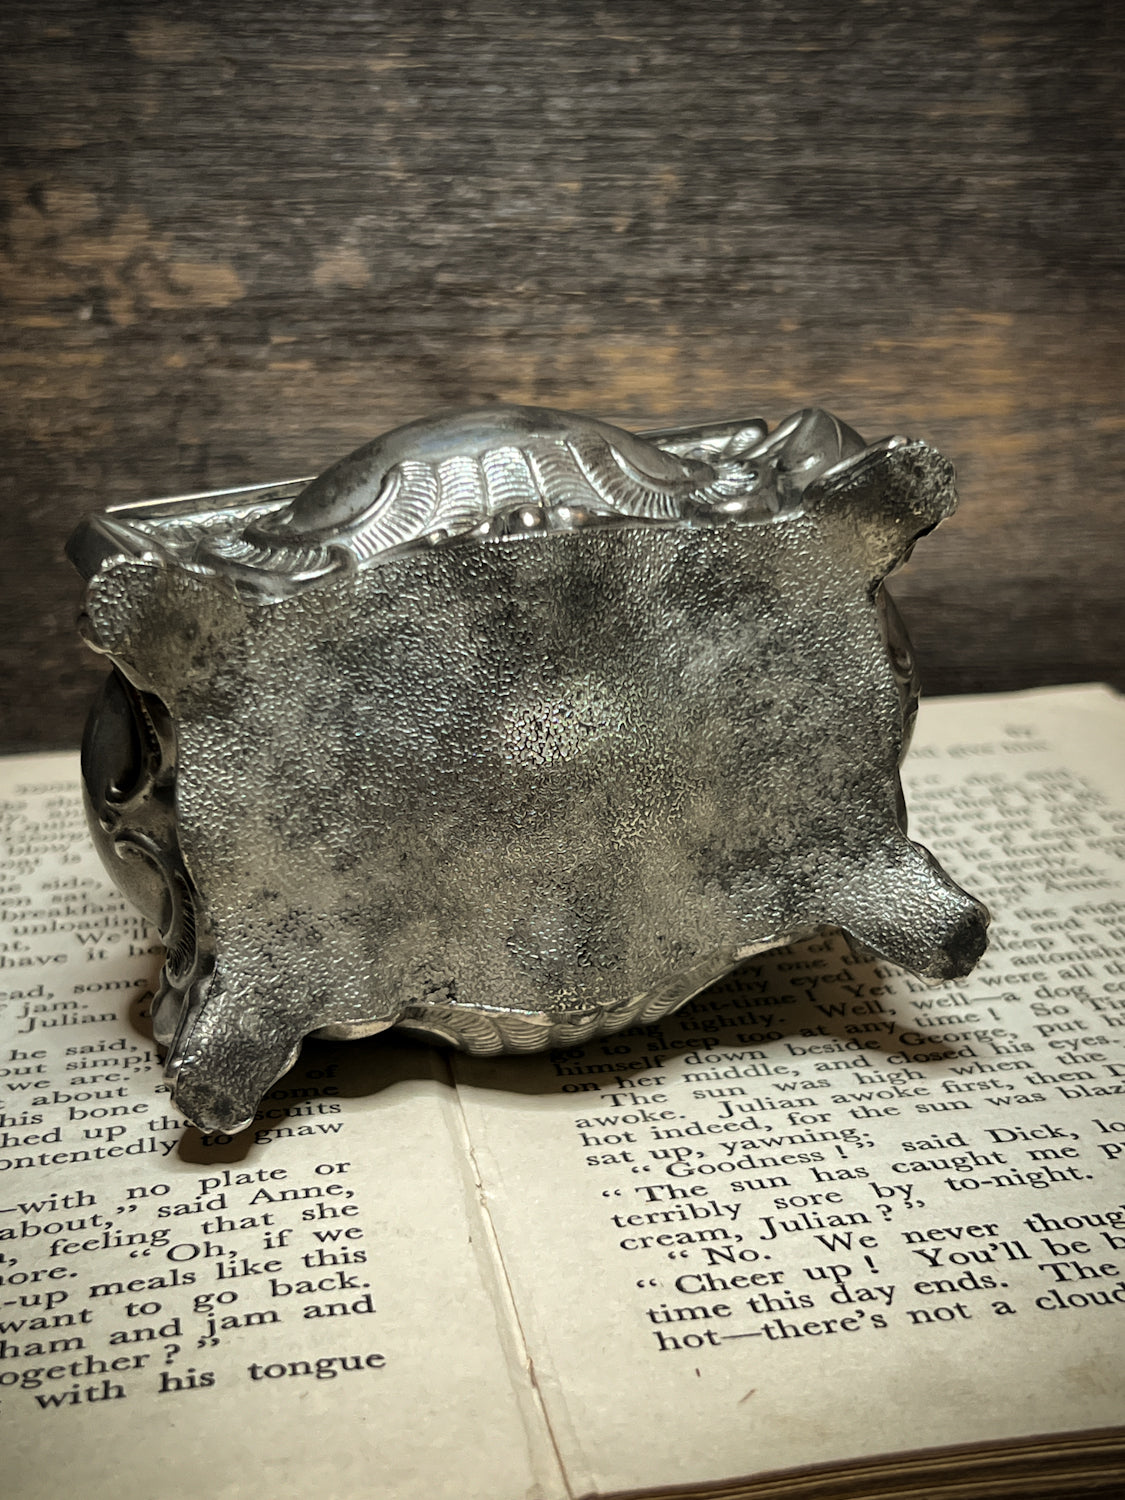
pixel 512 728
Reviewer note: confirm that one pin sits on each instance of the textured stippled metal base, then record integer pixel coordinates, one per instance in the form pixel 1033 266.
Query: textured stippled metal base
pixel 512 729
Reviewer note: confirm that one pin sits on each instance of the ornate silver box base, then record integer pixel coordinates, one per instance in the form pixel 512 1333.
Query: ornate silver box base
pixel 512 728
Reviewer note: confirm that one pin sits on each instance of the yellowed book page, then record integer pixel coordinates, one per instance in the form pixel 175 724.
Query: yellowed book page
pixel 827 1211
pixel 307 1309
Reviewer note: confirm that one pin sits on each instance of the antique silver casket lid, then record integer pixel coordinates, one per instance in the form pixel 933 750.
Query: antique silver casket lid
pixel 512 728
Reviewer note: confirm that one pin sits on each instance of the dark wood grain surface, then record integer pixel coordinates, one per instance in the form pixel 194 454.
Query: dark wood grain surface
pixel 238 239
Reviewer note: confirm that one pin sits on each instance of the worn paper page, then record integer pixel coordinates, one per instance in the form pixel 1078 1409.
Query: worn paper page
pixel 309 1308
pixel 827 1211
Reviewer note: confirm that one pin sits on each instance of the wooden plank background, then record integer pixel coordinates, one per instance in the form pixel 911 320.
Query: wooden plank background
pixel 238 239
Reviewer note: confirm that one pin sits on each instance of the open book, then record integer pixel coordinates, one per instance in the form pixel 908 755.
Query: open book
pixel 825 1232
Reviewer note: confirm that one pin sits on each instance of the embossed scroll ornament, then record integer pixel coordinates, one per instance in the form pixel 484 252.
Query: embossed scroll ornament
pixel 512 729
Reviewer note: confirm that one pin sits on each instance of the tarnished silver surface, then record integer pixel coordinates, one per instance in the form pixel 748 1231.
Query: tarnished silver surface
pixel 512 728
